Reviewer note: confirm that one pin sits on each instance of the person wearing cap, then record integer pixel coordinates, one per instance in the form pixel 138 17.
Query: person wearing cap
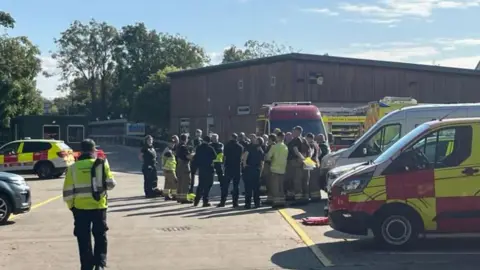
pixel 169 165
pixel 232 163
pixel 148 155
pixel 314 181
pixel 323 150
pixel 85 192
pixel 193 144
pixel 205 156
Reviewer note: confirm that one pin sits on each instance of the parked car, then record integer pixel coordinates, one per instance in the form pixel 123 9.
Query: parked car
pixel 15 197
pixel 45 158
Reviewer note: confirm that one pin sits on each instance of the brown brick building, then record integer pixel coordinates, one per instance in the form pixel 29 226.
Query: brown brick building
pixel 226 98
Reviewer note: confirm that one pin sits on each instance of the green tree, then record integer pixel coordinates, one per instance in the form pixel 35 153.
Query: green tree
pixel 6 20
pixel 152 104
pixel 253 49
pixel 143 52
pixel 19 66
pixel 86 51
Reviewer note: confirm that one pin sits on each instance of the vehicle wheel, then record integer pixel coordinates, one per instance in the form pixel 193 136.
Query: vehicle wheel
pixel 398 229
pixel 5 209
pixel 57 175
pixel 44 170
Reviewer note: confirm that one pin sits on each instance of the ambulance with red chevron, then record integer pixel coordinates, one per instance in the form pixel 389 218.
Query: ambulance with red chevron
pixel 426 182
pixel 386 131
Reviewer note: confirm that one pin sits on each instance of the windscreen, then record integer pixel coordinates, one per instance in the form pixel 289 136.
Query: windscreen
pixel 314 126
pixel 400 144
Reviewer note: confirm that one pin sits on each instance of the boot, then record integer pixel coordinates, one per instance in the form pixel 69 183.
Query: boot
pixel 221 204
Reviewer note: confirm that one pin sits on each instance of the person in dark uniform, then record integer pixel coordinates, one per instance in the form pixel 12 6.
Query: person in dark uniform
pixel 193 144
pixel 233 158
pixel 243 140
pixel 218 163
pixel 205 155
pixel 253 163
pixel 148 156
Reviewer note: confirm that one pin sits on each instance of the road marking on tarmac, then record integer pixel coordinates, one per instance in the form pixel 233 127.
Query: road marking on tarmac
pixel 306 239
pixel 38 205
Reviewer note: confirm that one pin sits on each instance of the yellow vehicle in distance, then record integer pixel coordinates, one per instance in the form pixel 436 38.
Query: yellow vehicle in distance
pixel 45 158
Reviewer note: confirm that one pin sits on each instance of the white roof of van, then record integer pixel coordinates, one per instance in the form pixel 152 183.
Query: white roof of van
pixel 443 106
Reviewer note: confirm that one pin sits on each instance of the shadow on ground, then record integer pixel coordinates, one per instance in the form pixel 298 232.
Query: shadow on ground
pixel 9 222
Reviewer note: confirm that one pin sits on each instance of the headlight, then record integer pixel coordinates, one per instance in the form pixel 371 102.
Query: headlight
pixel 18 181
pixel 355 183
pixel 329 162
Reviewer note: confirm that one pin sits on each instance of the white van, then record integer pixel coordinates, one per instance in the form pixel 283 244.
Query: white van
pixel 387 131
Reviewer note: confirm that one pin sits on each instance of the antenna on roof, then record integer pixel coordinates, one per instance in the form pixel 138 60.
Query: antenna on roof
pixel 446 115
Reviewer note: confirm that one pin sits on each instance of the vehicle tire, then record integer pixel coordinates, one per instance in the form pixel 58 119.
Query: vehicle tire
pixel 57 175
pixel 44 170
pixel 397 229
pixel 5 209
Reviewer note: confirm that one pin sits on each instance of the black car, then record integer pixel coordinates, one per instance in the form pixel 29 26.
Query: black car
pixel 14 196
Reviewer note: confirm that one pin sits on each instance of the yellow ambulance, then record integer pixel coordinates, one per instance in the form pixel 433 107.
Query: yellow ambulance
pixel 427 182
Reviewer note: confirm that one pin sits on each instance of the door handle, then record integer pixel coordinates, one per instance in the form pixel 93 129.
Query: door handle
pixel 470 171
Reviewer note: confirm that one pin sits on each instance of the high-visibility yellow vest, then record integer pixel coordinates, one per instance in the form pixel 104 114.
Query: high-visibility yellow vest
pixel 79 186
pixel 169 164
pixel 219 158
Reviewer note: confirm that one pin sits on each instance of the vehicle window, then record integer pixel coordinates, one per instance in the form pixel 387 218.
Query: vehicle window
pixel 261 127
pixel 75 134
pixel 379 142
pixel 448 147
pixel 32 147
pixel 51 132
pixel 63 146
pixel 11 148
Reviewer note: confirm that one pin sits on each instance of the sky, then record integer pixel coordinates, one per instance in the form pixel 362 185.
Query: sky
pixel 428 32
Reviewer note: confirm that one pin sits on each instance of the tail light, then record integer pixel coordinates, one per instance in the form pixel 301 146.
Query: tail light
pixel 62 154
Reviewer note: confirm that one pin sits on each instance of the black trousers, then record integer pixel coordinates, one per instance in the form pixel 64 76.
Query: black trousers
pixel 251 178
pixel 231 175
pixel 193 170
pixel 205 183
pixel 219 171
pixel 150 180
pixel 88 222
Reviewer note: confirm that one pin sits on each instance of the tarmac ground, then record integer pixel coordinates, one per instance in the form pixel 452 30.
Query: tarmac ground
pixel 157 234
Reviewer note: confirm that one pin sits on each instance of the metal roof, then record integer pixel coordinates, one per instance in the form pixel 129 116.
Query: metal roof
pixel 323 59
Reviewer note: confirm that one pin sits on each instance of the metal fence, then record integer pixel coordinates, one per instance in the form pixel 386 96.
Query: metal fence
pixel 133 141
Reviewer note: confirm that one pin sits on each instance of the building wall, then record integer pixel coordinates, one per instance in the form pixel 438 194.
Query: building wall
pixel 217 95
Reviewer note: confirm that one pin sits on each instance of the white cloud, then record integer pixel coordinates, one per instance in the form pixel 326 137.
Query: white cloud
pixel 459 42
pixel 48 86
pixel 405 8
pixel 469 62
pixel 396 54
pixel 215 58
pixel 324 11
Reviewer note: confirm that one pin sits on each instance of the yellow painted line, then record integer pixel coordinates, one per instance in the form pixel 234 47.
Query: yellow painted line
pixel 38 205
pixel 306 239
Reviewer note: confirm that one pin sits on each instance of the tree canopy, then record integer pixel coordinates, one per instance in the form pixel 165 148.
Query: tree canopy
pixel 19 66
pixel 105 71
pixel 253 49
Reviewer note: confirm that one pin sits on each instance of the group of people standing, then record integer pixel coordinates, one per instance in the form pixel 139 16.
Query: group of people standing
pixel 271 163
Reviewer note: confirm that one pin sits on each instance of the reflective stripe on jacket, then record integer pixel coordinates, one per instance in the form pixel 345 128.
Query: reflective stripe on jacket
pixel 80 188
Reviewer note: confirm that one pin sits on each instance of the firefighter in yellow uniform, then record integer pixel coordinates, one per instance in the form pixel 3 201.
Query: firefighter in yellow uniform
pixel 169 165
pixel 85 192
pixel 277 155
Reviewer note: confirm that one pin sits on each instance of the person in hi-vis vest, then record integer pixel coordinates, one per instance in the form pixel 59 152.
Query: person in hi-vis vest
pixel 85 192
